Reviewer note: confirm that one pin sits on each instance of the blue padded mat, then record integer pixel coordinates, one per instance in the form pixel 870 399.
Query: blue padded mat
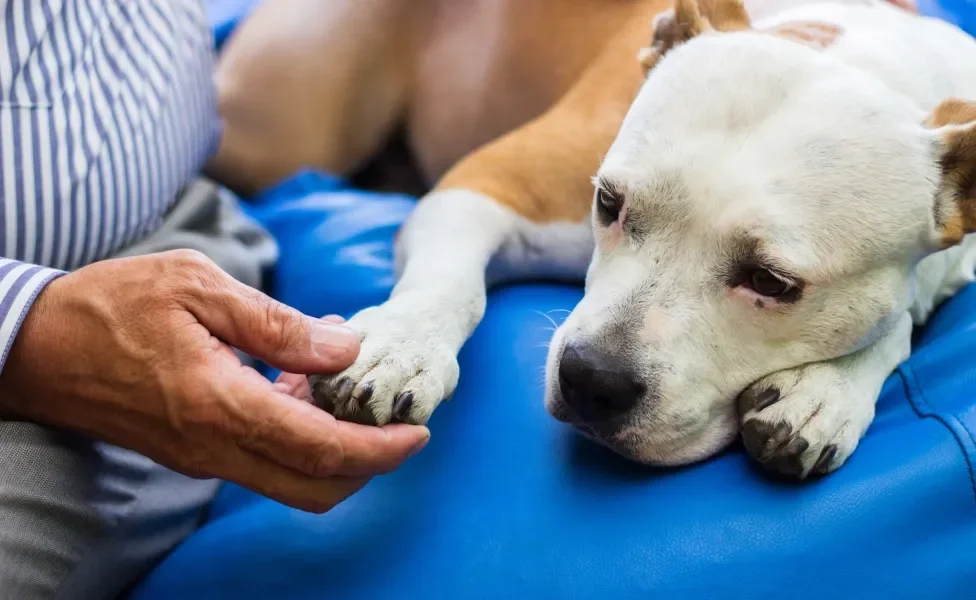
pixel 506 501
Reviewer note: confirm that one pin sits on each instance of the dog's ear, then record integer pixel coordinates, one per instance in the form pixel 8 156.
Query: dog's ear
pixel 954 123
pixel 670 29
pixel 726 15
pixel 688 20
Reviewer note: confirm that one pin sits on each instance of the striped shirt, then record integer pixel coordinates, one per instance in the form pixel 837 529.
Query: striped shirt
pixel 107 108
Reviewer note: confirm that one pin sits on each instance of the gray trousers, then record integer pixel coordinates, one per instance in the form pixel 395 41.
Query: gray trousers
pixel 81 519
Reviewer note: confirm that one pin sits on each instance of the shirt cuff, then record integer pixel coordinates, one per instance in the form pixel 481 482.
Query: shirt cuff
pixel 20 283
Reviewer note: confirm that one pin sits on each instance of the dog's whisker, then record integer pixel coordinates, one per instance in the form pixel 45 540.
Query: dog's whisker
pixel 548 318
pixel 561 311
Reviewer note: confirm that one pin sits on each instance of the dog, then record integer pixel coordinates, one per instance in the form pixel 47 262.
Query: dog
pixel 779 196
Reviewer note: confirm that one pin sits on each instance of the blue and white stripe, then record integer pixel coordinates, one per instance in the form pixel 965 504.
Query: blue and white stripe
pixel 106 109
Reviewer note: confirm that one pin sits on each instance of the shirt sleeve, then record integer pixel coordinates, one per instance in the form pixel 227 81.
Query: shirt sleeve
pixel 20 283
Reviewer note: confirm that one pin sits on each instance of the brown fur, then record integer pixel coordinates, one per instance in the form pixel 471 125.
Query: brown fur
pixel 958 165
pixel 818 35
pixel 325 84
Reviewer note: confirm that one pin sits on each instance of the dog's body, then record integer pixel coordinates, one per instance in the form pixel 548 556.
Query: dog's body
pixel 306 82
pixel 790 157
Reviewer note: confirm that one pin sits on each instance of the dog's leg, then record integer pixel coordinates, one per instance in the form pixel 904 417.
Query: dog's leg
pixel 809 419
pixel 514 209
pixel 307 83
pixel 407 363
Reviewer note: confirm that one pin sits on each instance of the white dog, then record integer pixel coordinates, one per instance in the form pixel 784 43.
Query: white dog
pixel 783 200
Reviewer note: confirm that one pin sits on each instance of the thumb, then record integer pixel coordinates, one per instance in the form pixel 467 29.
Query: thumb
pixel 273 332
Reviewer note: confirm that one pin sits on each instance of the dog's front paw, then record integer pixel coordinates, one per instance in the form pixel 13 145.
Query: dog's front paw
pixel 805 421
pixel 402 373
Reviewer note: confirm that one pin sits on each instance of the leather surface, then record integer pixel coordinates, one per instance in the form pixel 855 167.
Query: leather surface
pixel 507 501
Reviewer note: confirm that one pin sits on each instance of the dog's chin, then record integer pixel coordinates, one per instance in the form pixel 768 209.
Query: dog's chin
pixel 638 444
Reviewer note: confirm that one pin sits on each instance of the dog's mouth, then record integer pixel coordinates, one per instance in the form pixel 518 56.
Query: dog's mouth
pixel 608 434
pixel 635 439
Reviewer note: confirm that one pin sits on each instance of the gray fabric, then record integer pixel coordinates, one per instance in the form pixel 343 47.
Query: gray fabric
pixel 82 520
pixel 209 219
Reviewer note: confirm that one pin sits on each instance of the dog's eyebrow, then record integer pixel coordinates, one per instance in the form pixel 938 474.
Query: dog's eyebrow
pixel 607 185
pixel 745 248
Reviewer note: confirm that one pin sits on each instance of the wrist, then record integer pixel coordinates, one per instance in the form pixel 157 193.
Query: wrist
pixel 26 358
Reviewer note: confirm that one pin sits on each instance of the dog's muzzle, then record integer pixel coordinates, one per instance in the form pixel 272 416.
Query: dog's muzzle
pixel 597 385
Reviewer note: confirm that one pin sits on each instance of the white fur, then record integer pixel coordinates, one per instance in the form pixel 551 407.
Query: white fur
pixel 821 155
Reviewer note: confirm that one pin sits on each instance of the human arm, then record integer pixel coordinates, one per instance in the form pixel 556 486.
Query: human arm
pixel 138 352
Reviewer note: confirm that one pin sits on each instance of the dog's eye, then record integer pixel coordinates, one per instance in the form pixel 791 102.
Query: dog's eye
pixel 766 283
pixel 608 206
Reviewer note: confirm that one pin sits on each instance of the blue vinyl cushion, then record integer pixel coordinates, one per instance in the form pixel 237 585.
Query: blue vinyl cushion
pixel 226 14
pixel 505 502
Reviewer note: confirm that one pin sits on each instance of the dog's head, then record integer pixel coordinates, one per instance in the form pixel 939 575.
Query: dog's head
pixel 763 206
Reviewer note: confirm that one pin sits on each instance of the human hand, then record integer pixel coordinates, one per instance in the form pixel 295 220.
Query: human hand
pixel 137 352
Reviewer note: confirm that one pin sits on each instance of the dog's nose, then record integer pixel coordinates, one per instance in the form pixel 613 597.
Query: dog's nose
pixel 596 385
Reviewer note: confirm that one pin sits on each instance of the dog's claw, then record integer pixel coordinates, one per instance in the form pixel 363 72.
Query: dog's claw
pixel 402 406
pixel 363 392
pixel 767 398
pixel 825 460
pixel 344 391
pixel 775 447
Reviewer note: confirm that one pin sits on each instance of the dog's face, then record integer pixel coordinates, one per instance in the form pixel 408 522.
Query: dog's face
pixel 762 207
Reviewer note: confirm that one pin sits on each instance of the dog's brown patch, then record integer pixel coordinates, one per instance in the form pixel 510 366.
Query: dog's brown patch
pixel 542 170
pixel 811 33
pixel 956 121
pixel 726 15
pixel 953 111
pixel 689 19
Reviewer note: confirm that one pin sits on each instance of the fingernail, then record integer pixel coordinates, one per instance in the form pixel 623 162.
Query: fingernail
pixel 421 444
pixel 330 340
pixel 333 319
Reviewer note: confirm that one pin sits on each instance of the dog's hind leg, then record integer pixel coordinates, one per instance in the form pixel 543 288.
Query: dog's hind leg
pixel 307 83
pixel 516 209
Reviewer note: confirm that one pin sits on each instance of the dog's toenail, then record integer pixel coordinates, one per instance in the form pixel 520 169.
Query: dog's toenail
pixel 782 433
pixel 402 406
pixel 755 434
pixel 797 447
pixel 343 390
pixel 363 393
pixel 826 457
pixel 767 398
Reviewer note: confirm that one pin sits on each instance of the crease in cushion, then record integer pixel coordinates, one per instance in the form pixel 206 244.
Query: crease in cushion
pixel 940 388
pixel 505 500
